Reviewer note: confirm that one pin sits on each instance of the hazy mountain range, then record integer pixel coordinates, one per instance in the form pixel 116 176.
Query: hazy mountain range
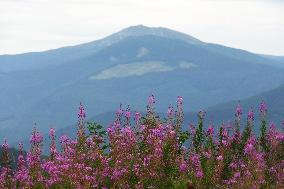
pixel 46 87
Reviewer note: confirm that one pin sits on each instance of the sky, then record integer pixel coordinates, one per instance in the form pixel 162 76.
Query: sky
pixel 37 25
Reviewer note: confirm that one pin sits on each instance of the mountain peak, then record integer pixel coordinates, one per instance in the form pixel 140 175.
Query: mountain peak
pixel 135 31
pixel 139 26
pixel 140 29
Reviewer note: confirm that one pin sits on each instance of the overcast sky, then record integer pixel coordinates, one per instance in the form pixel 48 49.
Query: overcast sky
pixel 36 25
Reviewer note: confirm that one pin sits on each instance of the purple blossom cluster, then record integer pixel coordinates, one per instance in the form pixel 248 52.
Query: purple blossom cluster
pixel 150 152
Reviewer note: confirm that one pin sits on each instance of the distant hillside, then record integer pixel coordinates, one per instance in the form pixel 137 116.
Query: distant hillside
pixel 279 60
pixel 273 98
pixel 46 87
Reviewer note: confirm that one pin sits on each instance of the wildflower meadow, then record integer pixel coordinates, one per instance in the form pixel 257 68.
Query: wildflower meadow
pixel 146 151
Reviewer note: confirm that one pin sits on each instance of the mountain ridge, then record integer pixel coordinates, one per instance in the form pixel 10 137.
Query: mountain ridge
pixel 71 52
pixel 204 75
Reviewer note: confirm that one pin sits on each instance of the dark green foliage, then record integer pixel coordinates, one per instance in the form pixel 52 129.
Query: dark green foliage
pixel 13 154
pixel 245 136
pixel 183 136
pixel 96 130
pixel 263 136
pixel 221 136
pixel 199 136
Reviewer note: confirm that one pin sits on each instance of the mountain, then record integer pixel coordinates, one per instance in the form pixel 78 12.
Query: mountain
pixel 40 60
pixel 46 87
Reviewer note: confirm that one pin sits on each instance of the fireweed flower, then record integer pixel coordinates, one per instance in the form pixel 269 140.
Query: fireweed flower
pixel 151 100
pixel 64 139
pixel 199 174
pixel 179 101
pixel 248 148
pixel 53 150
pixel 119 112
pixel 36 137
pixel 179 114
pixel 250 116
pixel 127 114
pixel 183 167
pixel 210 130
pixel 179 106
pixel 219 158
pixel 229 126
pixel 20 156
pixel 201 114
pixel 5 157
pixel 272 127
pixel 237 175
pixel 236 129
pixel 5 145
pixel 51 133
pixel 196 165
pixel 81 123
pixel 263 109
pixel 170 112
pixel 137 120
pixel 137 117
pixel 239 111
pixel 192 129
pixel 81 113
pixel 22 175
pixel 233 165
